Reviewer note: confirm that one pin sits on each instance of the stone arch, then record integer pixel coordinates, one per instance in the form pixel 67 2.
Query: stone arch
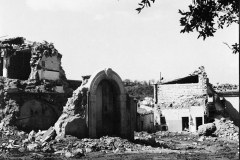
pixel 95 80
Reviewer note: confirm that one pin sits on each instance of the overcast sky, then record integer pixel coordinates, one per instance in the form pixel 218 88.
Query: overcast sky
pixel 96 34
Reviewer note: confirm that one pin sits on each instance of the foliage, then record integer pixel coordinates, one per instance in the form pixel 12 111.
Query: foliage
pixel 143 4
pixel 206 16
pixel 139 89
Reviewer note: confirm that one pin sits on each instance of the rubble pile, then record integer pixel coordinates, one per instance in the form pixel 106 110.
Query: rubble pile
pixel 74 112
pixel 220 128
pixel 43 142
pixel 226 129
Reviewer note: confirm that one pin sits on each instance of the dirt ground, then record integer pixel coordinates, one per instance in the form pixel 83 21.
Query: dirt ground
pixel 156 146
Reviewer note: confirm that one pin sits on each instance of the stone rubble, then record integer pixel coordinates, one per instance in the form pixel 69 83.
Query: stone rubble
pixel 221 128
pixel 206 129
pixel 45 144
pixel 226 129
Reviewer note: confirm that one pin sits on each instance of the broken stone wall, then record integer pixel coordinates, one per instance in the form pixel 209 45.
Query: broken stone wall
pixel 30 104
pixel 184 95
pixel 176 99
pixel 73 119
pixel 171 92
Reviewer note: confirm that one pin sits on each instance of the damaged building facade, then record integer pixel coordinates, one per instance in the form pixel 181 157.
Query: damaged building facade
pixel 33 84
pixel 36 95
pixel 99 107
pixel 183 103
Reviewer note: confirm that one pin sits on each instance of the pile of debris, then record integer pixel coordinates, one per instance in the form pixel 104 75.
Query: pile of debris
pixel 226 129
pixel 220 128
pixel 44 144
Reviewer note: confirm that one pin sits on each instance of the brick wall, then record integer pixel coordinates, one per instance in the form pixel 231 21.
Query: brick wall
pixel 171 92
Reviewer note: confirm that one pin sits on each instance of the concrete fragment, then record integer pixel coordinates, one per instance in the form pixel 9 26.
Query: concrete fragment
pixel 32 147
pixel 50 134
pixel 68 155
pixel 31 136
pixel 201 139
pixel 206 129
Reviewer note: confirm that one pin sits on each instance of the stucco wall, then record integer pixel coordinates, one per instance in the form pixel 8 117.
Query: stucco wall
pixel 145 122
pixel 173 117
pixel 232 107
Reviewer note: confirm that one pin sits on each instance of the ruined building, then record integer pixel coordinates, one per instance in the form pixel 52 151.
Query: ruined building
pixel 33 84
pixel 35 94
pixel 183 103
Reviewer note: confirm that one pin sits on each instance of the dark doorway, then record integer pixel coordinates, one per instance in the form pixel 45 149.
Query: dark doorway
pixel 185 123
pixel 107 109
pixel 141 126
pixel 163 120
pixel 1 66
pixel 198 122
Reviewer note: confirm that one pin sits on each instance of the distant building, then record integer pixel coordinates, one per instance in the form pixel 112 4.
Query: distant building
pixel 148 101
pixel 145 119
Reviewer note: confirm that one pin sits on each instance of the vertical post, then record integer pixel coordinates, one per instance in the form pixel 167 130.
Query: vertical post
pixel 155 87
pixel 5 72
pixel 160 78
pixel 87 111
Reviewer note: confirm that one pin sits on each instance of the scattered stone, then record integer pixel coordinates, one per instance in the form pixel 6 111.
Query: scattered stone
pixel 226 129
pixel 201 139
pixel 68 155
pixel 21 149
pixel 32 147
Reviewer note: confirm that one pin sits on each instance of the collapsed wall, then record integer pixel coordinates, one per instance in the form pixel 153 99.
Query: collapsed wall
pixel 182 102
pixel 37 101
pixel 73 119
pixel 184 92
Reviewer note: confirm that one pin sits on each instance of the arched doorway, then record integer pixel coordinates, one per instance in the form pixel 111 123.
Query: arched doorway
pixel 107 112
pixel 106 90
